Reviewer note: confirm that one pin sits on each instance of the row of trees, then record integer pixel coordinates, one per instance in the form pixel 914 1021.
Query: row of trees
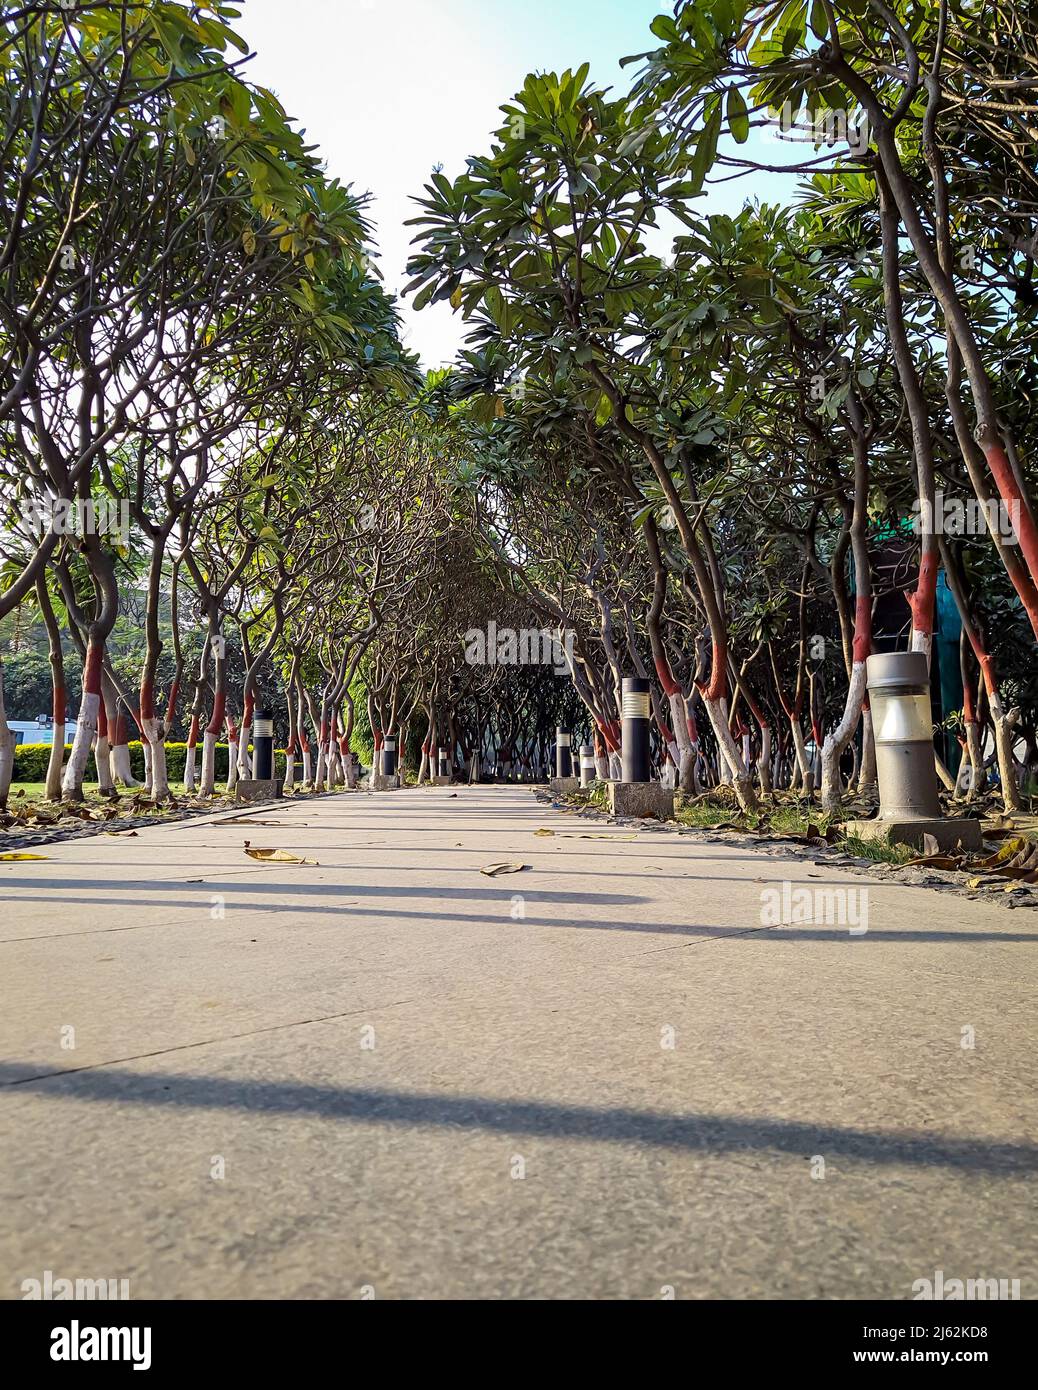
pixel 733 452
pixel 196 357
pixel 737 447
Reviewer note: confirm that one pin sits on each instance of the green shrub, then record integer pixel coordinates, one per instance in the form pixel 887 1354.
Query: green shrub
pixel 31 759
pixel 30 762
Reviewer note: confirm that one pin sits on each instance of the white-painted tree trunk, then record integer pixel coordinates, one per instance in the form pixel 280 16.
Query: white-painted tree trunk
pixel 244 761
pixel 191 767
pixel 290 770
pixel 122 772
pixel 975 755
pixel 805 775
pixel 207 785
pixel 947 780
pixel 737 770
pixel 837 741
pixel 867 772
pixel 764 761
pixel 103 763
pixel 86 728
pixel 307 768
pixel 154 732
pixel 232 765
pixel 1004 752
pixel 962 777
pixel 684 755
pixel 55 763
pixel 7 746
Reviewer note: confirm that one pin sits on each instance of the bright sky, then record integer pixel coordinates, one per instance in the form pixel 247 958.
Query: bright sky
pixel 390 88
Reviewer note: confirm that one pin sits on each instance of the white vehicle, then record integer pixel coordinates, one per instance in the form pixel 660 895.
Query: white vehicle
pixel 38 730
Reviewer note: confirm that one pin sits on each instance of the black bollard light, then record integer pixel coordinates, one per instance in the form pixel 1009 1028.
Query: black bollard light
pixel 588 771
pixel 262 745
pixel 389 757
pixel 445 769
pixel 634 747
pixel 563 754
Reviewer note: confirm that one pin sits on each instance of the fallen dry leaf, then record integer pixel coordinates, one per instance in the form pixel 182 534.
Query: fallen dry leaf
pixel 21 854
pixel 542 831
pixel 276 856
pixel 594 835
pixel 935 861
pixel 492 870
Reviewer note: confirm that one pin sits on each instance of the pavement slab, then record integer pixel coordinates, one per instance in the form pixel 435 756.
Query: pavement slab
pixel 613 1074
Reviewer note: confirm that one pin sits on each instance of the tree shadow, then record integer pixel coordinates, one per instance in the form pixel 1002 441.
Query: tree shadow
pixel 706 1133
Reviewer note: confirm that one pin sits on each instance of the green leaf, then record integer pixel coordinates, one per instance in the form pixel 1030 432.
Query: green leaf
pixel 738 117
pixel 706 149
pixel 664 28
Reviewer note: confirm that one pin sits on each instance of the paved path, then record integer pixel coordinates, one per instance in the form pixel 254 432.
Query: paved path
pixel 224 1010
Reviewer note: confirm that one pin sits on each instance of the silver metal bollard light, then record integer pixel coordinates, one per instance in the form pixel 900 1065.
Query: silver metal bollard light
pixel 588 771
pixel 262 745
pixel 899 695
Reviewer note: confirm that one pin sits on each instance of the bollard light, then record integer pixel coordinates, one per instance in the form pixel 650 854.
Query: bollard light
pixel 563 754
pixel 263 745
pixel 389 757
pixel 588 771
pixel 634 738
pixel 899 695
pixel 445 768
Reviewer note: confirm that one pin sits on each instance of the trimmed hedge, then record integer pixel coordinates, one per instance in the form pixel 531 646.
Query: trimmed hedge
pixel 31 759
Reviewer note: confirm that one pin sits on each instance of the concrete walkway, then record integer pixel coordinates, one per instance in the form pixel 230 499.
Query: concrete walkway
pixel 599 1077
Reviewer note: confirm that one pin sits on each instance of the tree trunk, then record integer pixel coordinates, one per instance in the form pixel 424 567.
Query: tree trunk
pixel 86 728
pixel 103 753
pixel 7 746
pixel 867 780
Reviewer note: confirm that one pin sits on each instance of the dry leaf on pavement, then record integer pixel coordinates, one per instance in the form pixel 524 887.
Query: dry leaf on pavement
pixel 276 856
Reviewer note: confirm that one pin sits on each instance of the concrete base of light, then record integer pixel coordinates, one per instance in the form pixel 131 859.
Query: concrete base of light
pixel 641 799
pixel 258 788
pixel 562 786
pixel 950 833
pixel 441 780
pixel 385 781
